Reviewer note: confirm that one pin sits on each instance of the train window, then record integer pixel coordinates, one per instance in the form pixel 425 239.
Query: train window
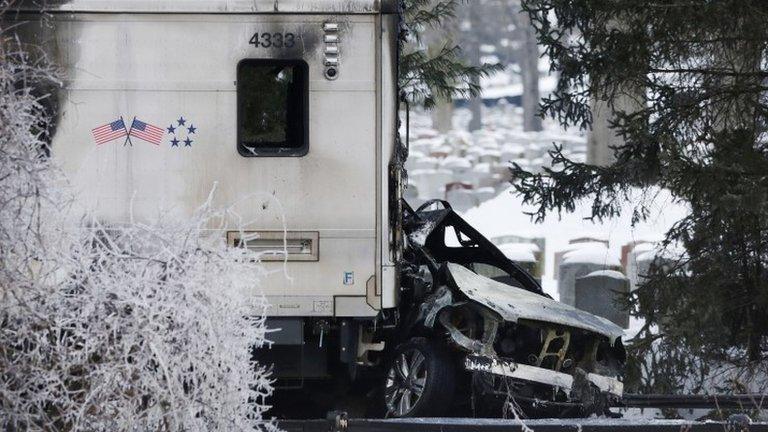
pixel 272 107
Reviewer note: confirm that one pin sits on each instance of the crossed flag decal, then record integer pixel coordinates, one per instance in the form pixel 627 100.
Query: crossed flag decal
pixel 140 129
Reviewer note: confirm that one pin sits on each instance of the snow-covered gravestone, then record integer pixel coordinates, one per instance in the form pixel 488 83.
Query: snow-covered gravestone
pixel 490 156
pixel 534 150
pixel 501 172
pixel 639 263
pixel 484 194
pixel 511 152
pixel 603 293
pixel 644 256
pixel 421 146
pixel 430 183
pixel 461 169
pixel 582 260
pixel 524 254
pixel 461 199
pixel 484 174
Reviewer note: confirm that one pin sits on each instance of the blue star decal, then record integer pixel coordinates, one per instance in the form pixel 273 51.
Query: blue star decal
pixel 171 129
pixel 187 142
pixel 192 128
pixel 174 142
pixel 181 121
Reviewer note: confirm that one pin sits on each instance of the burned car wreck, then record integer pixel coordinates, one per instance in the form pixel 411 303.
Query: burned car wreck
pixel 475 323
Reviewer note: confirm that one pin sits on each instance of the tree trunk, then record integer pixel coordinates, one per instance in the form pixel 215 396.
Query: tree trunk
pixel 435 39
pixel 602 138
pixel 442 116
pixel 473 54
pixel 476 108
pixel 529 68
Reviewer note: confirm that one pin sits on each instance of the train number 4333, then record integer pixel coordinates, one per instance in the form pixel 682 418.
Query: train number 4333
pixel 273 40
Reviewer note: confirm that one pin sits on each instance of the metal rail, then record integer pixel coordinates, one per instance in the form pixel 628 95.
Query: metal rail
pixel 740 401
pixel 338 421
pixel 499 425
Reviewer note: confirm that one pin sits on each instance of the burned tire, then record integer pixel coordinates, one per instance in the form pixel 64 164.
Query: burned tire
pixel 420 380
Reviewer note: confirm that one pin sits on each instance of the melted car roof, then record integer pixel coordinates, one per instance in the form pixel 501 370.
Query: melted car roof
pixel 514 304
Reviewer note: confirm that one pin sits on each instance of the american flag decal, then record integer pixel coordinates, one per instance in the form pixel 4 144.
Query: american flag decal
pixel 109 131
pixel 147 132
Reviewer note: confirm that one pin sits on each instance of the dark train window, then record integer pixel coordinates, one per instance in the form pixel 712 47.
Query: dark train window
pixel 272 107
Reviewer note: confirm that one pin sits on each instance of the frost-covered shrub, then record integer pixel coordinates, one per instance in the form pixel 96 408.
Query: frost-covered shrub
pixel 142 327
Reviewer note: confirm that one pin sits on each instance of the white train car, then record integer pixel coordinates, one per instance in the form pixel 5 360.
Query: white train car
pixel 287 105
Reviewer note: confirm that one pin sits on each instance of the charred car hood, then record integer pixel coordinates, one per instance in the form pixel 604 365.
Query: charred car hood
pixel 513 304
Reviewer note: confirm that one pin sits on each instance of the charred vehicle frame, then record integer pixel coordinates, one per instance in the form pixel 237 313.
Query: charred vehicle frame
pixel 468 309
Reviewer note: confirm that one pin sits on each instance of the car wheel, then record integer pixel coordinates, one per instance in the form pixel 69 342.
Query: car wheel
pixel 420 380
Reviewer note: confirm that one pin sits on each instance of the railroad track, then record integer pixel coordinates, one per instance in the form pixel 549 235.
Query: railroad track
pixel 338 422
pixel 499 425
